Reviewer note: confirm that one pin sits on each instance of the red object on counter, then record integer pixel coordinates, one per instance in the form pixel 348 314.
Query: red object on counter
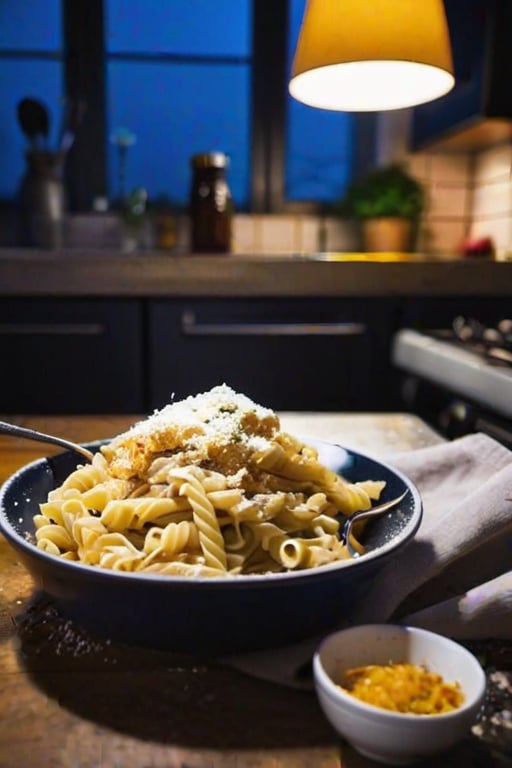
pixel 481 247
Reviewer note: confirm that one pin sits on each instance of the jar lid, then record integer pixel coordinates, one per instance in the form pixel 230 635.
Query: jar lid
pixel 209 160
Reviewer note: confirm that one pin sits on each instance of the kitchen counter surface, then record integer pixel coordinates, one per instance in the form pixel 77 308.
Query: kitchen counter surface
pixel 147 274
pixel 67 699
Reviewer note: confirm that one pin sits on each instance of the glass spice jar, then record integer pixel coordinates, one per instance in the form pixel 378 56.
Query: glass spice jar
pixel 211 208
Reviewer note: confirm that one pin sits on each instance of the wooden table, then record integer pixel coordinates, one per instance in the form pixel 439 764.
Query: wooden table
pixel 68 700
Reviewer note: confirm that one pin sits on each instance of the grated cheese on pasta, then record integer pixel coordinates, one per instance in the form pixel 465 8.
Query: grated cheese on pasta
pixel 219 424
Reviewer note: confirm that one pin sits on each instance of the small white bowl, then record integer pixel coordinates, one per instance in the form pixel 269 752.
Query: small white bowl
pixel 380 734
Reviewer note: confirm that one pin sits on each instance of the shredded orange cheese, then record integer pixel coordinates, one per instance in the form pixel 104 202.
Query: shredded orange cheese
pixel 402 687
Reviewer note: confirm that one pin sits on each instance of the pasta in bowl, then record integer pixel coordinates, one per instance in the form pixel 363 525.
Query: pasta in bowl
pixel 204 528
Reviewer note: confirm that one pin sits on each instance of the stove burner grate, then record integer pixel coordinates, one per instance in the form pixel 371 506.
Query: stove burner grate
pixel 489 342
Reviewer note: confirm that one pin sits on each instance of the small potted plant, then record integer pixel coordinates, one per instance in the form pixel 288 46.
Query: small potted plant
pixel 389 202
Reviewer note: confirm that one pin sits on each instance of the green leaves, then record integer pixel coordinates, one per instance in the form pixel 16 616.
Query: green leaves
pixel 385 191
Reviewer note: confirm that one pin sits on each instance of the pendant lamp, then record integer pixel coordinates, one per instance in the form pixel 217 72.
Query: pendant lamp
pixel 372 55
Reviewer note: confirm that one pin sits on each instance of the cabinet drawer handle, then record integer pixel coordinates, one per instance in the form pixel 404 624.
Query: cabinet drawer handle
pixel 51 329
pixel 192 328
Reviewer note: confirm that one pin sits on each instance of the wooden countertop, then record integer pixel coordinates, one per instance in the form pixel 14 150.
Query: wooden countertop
pixel 98 273
pixel 70 701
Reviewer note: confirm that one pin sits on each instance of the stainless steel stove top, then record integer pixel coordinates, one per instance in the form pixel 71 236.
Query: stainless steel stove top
pixel 458 369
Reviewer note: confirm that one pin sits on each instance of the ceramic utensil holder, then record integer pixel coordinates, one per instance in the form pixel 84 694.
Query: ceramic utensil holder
pixel 43 200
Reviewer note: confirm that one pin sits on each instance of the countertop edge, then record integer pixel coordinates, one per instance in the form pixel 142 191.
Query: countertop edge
pixel 149 275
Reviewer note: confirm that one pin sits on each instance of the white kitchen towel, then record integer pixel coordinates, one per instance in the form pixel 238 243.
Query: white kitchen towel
pixel 458 568
pixel 455 576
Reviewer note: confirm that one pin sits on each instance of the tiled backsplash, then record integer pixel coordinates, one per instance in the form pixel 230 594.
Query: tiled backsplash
pixel 447 219
pixel 468 196
pixel 265 234
pixel 252 234
pixel 491 212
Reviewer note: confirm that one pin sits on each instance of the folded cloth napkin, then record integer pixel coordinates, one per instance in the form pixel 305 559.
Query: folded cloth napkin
pixel 455 576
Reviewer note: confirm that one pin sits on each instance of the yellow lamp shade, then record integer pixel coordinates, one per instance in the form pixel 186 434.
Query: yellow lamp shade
pixel 372 55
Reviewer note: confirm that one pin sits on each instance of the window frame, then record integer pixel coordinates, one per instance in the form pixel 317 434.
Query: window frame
pixel 85 78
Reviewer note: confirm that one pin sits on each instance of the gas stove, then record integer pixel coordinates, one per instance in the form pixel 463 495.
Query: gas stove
pixel 460 378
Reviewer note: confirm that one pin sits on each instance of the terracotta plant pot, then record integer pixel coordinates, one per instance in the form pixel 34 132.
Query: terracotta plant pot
pixel 393 234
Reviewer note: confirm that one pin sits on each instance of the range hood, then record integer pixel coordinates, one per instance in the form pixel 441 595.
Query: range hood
pixel 477 113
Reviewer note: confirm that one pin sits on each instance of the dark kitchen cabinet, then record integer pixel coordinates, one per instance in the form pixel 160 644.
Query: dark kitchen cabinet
pixel 71 356
pixel 287 354
pixel 93 355
pixel 478 111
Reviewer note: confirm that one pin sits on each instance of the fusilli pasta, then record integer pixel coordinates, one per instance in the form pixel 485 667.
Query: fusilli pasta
pixel 208 486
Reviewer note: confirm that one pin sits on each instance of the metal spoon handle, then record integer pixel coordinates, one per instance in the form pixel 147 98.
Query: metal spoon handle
pixel 366 513
pixel 380 508
pixel 33 434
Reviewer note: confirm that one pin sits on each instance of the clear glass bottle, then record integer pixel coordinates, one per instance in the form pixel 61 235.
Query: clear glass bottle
pixel 211 207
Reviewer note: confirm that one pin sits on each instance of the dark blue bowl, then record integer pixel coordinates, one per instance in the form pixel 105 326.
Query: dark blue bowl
pixel 208 616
